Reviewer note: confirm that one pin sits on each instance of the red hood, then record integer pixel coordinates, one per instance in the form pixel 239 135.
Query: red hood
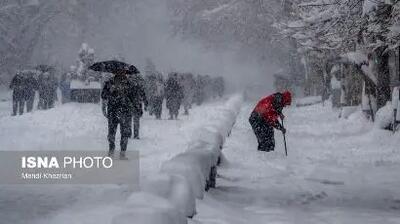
pixel 287 98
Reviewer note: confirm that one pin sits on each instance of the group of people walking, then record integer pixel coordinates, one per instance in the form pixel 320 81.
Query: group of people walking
pixel 179 90
pixel 125 96
pixel 25 84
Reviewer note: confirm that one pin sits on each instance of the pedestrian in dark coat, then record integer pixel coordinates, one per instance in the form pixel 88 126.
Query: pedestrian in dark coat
pixel 118 96
pixel 174 95
pixel 158 96
pixel 31 86
pixel 47 90
pixel 199 94
pixel 18 87
pixel 140 100
pixel 264 119
pixel 65 87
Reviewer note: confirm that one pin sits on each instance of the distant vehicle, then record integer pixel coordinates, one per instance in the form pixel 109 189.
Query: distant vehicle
pixel 87 91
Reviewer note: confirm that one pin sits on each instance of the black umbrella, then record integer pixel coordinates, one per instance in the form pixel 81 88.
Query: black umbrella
pixel 114 67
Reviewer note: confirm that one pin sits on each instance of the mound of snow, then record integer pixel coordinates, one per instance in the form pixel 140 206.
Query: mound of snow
pixel 175 189
pixel 384 116
pixel 148 209
pixel 310 100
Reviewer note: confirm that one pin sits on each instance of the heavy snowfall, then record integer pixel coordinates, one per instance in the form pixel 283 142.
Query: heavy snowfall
pixel 269 111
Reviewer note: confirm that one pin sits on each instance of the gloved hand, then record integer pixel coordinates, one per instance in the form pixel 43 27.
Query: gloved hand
pixel 280 127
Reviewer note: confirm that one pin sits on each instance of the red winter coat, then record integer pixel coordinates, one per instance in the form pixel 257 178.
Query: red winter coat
pixel 270 107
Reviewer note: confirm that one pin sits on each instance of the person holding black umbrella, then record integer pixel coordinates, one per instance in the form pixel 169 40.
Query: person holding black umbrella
pixel 118 97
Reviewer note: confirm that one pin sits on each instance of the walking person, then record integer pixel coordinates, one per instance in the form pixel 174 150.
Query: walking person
pixel 158 97
pixel 18 86
pixel 47 91
pixel 174 95
pixel 264 119
pixel 31 85
pixel 65 87
pixel 140 100
pixel 118 97
pixel 188 85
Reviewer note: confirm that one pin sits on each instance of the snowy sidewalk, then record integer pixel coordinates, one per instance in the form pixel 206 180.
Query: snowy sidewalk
pixel 338 171
pixel 82 127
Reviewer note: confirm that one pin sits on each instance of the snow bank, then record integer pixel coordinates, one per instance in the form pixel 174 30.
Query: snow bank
pixel 148 209
pixel 384 116
pixel 174 188
pixel 196 164
pixel 310 100
pixel 347 111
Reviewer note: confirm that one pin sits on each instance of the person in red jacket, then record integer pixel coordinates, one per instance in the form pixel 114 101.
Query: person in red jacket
pixel 264 119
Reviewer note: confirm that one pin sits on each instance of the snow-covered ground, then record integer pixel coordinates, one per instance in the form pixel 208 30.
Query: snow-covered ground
pixel 82 127
pixel 337 171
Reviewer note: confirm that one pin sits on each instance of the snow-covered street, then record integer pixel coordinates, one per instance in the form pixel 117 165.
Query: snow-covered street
pixel 82 127
pixel 200 112
pixel 337 171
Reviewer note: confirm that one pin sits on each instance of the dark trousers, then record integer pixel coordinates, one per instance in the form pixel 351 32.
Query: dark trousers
pixel 29 101
pixel 263 131
pixel 157 106
pixel 18 106
pixel 46 100
pixel 125 126
pixel 136 125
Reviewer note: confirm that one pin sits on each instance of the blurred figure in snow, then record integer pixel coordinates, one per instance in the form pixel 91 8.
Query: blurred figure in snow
pixel 31 85
pixel 264 119
pixel 199 93
pixel 18 86
pixel 65 87
pixel 47 90
pixel 188 84
pixel 158 96
pixel 174 95
pixel 138 84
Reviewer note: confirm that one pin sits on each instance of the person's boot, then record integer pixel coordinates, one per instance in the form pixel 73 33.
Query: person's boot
pixel 111 153
pixel 122 155
pixel 111 149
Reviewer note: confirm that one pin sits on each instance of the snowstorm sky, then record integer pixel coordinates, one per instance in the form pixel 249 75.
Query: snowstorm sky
pixel 142 30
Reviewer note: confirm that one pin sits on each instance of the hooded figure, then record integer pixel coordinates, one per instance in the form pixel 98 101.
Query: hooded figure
pixel 264 119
